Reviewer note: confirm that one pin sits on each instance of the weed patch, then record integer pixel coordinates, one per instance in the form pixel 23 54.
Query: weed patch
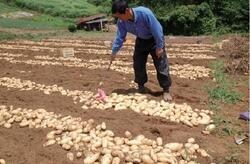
pixel 224 89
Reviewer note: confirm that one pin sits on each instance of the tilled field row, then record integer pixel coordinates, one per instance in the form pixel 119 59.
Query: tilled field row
pixel 173 47
pixel 54 44
pixel 82 48
pixel 182 71
pixel 138 103
pixel 95 143
pixel 24 47
pixel 172 53
pixel 185 54
pixel 105 44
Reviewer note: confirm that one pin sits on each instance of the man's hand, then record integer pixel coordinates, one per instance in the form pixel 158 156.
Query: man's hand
pixel 159 52
pixel 112 58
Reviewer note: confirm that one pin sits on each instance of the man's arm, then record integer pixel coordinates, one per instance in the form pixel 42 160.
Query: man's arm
pixel 156 29
pixel 120 37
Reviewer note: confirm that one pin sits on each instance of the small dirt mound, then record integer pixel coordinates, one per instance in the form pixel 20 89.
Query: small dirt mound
pixel 236 52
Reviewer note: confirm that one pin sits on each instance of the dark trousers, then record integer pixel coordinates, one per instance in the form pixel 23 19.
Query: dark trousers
pixel 143 47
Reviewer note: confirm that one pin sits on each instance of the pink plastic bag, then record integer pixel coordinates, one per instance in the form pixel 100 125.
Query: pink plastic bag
pixel 101 96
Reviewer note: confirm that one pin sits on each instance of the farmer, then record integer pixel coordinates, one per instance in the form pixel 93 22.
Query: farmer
pixel 141 22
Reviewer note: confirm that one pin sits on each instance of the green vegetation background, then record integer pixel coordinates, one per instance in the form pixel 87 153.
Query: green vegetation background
pixel 178 17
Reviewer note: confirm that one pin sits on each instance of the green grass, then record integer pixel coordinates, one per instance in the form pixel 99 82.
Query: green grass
pixel 214 105
pixel 27 36
pixel 62 8
pixel 233 156
pixel 38 21
pixel 35 22
pixel 12 36
pixel 222 92
pixel 7 36
pixel 5 8
pixel 55 34
pixel 225 126
pixel 224 89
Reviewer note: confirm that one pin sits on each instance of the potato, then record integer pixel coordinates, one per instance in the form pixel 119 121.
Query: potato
pixel 2 161
pixel 116 160
pixel 91 158
pixel 153 155
pixel 7 125
pixel 147 159
pixel 49 142
pixel 118 153
pixel 159 141
pixel 210 127
pixel 191 140
pixel 174 146
pixel 79 154
pixel 203 152
pixel 106 159
pixel 70 156
pixel 128 134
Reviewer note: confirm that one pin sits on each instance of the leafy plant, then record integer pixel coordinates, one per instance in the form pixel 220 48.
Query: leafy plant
pixel 72 28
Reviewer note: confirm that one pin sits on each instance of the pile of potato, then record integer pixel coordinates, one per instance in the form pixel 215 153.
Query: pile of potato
pixel 24 47
pixel 96 42
pixel 189 71
pixel 90 61
pixel 181 45
pixel 190 50
pixel 73 59
pixel 132 84
pixel 12 55
pixel 185 55
pixel 63 44
pixel 46 60
pixel 103 51
pixel 97 144
pixel 34 62
pixel 47 89
pixel 183 71
pixel 104 47
pixel 189 55
pixel 137 102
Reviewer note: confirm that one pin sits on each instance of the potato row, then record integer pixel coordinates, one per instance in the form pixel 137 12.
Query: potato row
pixel 94 49
pixel 183 71
pixel 179 113
pixel 96 144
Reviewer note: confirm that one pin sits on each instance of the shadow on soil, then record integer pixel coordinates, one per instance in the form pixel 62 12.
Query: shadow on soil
pixel 133 90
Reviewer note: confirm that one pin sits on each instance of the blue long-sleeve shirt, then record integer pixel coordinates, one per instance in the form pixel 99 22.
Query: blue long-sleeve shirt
pixel 145 26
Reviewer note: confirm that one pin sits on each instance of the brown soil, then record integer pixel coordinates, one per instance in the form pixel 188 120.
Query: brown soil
pixel 24 146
